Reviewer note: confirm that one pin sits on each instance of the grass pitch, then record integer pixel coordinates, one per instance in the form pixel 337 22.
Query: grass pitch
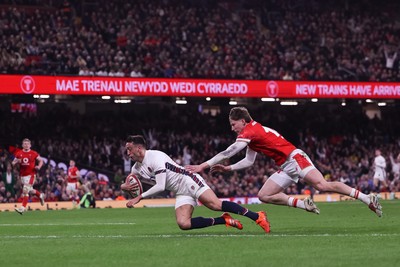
pixel 345 234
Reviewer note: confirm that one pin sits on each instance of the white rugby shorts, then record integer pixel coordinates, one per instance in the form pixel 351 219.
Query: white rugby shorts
pixel 380 175
pixel 28 179
pixel 190 189
pixel 296 166
pixel 72 187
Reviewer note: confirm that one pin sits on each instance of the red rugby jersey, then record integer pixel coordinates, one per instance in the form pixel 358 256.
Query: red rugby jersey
pixel 266 141
pixel 72 171
pixel 28 162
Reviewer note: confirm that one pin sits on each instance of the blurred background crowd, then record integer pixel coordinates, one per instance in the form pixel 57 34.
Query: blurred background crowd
pixel 301 40
pixel 340 140
pixel 276 40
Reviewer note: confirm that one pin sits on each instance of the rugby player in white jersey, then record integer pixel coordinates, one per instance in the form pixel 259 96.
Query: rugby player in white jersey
pixel 294 164
pixel 379 171
pixel 188 187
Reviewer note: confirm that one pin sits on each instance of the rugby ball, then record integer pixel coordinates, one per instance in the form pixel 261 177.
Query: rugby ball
pixel 132 179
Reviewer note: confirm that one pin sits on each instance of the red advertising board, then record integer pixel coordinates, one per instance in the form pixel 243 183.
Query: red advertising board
pixel 20 84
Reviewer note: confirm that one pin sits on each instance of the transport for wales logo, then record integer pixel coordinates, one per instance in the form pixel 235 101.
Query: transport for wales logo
pixel 27 84
pixel 272 89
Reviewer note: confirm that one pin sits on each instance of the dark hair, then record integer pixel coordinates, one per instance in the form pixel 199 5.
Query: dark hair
pixel 238 113
pixel 137 140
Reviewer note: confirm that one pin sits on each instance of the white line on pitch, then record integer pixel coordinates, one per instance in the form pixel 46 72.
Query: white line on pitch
pixel 62 224
pixel 195 236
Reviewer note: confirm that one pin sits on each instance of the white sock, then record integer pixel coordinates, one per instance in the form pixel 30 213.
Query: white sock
pixel 359 195
pixel 297 203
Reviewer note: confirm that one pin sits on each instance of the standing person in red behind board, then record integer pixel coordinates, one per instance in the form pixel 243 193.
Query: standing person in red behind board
pixel 27 158
pixel 294 164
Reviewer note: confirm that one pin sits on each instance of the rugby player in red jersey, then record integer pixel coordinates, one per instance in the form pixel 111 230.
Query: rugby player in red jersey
pixel 27 158
pixel 73 176
pixel 293 163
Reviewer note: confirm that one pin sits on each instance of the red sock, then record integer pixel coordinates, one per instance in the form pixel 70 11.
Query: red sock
pixel 25 201
pixel 292 202
pixel 37 193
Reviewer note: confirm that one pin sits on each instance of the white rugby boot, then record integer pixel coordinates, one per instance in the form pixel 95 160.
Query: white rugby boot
pixel 41 199
pixel 20 210
pixel 374 205
pixel 310 205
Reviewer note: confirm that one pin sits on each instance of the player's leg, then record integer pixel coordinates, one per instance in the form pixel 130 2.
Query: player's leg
pixel 30 190
pixel 184 207
pixel 68 192
pixel 71 193
pixel 25 196
pixel 385 184
pixel 376 185
pixel 315 178
pixel 211 201
pixel 272 193
pixel 38 194
pixel 74 197
pixel 183 216
pixel 76 192
pixel 31 181
pixel 34 191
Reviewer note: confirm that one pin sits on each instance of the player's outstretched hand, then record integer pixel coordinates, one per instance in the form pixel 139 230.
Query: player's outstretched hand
pixel 219 168
pixel 133 201
pixel 193 168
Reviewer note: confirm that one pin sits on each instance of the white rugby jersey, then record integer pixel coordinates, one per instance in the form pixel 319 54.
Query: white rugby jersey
pixel 168 175
pixel 380 164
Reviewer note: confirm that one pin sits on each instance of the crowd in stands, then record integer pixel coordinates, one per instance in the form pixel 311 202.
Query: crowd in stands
pixel 340 140
pixel 276 40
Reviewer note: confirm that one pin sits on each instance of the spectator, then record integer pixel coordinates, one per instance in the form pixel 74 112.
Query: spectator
pixel 338 41
pixel 9 180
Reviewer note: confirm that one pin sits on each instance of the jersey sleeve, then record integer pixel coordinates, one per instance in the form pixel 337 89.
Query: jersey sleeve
pixel 160 172
pixel 229 152
pixel 161 181
pixel 245 162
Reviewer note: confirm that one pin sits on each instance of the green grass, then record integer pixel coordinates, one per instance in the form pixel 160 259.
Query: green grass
pixel 345 234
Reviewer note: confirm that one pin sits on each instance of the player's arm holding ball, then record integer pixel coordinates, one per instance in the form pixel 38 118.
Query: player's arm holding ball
pixel 128 186
pixel 161 180
pixel 133 187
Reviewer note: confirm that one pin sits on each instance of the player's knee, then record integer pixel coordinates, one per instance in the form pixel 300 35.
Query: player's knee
pixel 184 224
pixel 25 191
pixel 263 197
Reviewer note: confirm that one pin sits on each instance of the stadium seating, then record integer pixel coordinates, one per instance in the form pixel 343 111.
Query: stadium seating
pixel 301 40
